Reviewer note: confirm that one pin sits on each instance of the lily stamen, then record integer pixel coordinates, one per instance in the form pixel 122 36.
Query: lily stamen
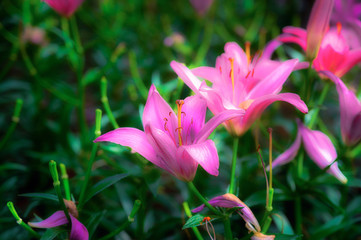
pixel 231 74
pixel 179 106
pixel 247 46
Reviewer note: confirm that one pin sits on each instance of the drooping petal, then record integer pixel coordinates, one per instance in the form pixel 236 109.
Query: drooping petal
pixel 298 32
pixel 133 138
pixel 204 153
pixel 260 104
pixel 317 25
pixel 272 84
pixel 231 201
pixel 186 75
pixel 286 38
pixel 56 219
pixel 78 230
pixel 353 57
pixel 261 236
pixel 215 122
pixel 320 149
pixel 157 112
pixel 289 154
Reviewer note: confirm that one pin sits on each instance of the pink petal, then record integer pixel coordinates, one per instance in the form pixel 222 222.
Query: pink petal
pixel 270 48
pixel 272 84
pixel 353 57
pixel 289 154
pixel 186 75
pixel 260 104
pixel 298 32
pixel 78 230
pixel 64 7
pixel 292 39
pixel 205 154
pixel 194 112
pixel 215 122
pixel 317 25
pixel 335 171
pixel 209 73
pixel 57 219
pixel 201 6
pixel 157 112
pixel 133 138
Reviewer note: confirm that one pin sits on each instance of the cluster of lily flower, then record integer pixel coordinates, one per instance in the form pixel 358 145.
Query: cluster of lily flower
pixel 241 88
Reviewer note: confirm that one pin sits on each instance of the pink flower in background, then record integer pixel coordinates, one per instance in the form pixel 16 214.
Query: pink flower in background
pixel 238 82
pixel 175 142
pixel 34 35
pixel 327 46
pixel 318 147
pixel 201 6
pixel 348 13
pixel 78 230
pixel 65 8
pixel 350 111
pixel 229 200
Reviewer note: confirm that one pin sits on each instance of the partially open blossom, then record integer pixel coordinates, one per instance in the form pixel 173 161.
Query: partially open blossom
pixel 65 8
pixel 175 142
pixel 78 230
pixel 229 200
pixel 201 6
pixel 333 52
pixel 238 82
pixel 317 26
pixel 350 111
pixel 318 147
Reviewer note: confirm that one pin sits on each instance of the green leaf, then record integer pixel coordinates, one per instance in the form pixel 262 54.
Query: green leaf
pixel 12 166
pixel 52 233
pixel 47 196
pixel 94 222
pixel 91 76
pixel 288 237
pixel 197 220
pixel 103 184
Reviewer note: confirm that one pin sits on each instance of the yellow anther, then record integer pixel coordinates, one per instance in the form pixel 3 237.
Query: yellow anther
pixel 248 51
pixel 232 71
pixel 179 129
pixel 339 27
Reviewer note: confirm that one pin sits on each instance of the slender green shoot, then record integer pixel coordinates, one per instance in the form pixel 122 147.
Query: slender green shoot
pixel 65 178
pixel 20 221
pixel 104 99
pixel 15 119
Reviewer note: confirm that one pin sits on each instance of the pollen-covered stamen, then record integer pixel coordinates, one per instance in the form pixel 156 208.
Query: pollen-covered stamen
pixel 247 46
pixel 231 74
pixel 207 220
pixel 179 129
pixel 339 27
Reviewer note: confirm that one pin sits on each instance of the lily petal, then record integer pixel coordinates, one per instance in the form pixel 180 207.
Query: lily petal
pixel 205 154
pixel 133 138
pixel 78 230
pixel 289 154
pixel 209 73
pixel 215 122
pixel 353 57
pixel 186 75
pixel 56 219
pixel 195 107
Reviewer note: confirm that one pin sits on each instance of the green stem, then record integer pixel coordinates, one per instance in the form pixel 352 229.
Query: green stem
pixel 65 178
pixel 75 31
pixel 189 215
pixel 15 119
pixel 136 76
pixel 232 185
pixel 56 183
pixel 98 116
pixel 20 221
pixel 266 225
pixel 131 216
pixel 104 99
pixel 298 214
pixel 319 104
pixel 200 197
pixel 227 229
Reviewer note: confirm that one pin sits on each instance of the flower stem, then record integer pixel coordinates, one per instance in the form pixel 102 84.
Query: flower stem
pixel 104 99
pixel 189 215
pixel 227 229
pixel 56 183
pixel 65 178
pixel 200 197
pixel 98 116
pixel 131 216
pixel 20 221
pixel 15 119
pixel 233 170
pixel 319 103
pixel 266 224
pixel 136 76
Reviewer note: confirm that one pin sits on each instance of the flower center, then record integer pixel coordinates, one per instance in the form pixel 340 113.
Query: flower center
pixel 179 128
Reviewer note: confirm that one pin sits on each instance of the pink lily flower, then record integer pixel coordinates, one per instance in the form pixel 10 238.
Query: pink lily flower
pixel 201 6
pixel 330 49
pixel 229 200
pixel 176 143
pixel 65 8
pixel 318 147
pixel 78 230
pixel 238 82
pixel 350 111
pixel 348 13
